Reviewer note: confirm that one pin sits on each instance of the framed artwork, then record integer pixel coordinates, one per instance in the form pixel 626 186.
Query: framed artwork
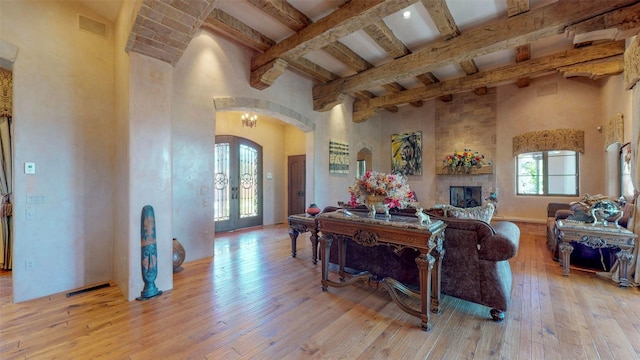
pixel 338 157
pixel 406 153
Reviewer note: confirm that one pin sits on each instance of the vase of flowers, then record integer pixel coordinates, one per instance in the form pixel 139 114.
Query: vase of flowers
pixel 463 161
pixel 375 187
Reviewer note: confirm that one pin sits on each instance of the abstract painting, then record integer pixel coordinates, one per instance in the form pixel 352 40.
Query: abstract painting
pixel 406 153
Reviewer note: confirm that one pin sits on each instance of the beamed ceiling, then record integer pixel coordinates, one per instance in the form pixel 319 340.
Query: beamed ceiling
pixel 369 50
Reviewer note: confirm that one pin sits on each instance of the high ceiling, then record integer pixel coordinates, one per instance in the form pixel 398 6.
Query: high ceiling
pixel 400 52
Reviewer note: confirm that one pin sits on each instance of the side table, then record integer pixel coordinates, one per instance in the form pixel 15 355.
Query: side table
pixel 301 223
pixel 596 236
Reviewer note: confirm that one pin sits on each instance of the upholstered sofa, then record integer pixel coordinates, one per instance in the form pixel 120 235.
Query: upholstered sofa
pixel 475 265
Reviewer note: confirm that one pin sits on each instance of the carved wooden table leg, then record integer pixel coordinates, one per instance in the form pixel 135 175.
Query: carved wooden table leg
pixel 625 257
pixel 565 256
pixel 425 264
pixel 342 256
pixel 293 234
pixel 436 279
pixel 325 251
pixel 314 245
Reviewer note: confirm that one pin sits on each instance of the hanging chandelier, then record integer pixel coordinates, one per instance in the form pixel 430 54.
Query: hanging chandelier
pixel 249 120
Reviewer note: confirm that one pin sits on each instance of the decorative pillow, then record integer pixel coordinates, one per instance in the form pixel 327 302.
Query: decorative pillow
pixel 484 213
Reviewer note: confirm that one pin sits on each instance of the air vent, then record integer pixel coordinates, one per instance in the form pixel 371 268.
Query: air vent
pixel 92 26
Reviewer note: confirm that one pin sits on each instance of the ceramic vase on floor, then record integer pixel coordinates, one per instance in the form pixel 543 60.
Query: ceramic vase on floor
pixel 178 255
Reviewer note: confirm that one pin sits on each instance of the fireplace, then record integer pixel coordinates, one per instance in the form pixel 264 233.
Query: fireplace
pixel 465 196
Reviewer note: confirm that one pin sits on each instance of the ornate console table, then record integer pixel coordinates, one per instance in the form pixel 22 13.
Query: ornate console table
pixel 596 236
pixel 398 232
pixel 301 223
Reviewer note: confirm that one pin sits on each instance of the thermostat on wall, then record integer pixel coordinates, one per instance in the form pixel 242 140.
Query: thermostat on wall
pixel 29 168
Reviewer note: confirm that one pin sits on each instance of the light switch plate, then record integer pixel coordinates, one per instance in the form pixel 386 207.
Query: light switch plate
pixel 29 168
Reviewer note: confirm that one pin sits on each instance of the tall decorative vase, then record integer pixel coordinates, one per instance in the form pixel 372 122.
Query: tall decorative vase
pixel 178 255
pixel 148 253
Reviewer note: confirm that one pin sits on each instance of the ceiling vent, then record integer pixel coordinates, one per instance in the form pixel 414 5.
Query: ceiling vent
pixel 92 26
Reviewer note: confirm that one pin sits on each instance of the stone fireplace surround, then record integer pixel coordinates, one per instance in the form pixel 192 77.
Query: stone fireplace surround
pixel 466 122
pixel 443 183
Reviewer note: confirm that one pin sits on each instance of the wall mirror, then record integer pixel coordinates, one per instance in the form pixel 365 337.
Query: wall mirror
pixel 364 161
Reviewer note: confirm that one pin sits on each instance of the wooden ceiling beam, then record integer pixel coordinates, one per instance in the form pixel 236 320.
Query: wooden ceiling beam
pixel 349 18
pixel 382 35
pixel 225 24
pixel 446 25
pixel 284 12
pixel 288 15
pixel 441 16
pixel 523 53
pixel 506 73
pixel 498 35
pixel 595 69
pixel 516 7
pixel 615 25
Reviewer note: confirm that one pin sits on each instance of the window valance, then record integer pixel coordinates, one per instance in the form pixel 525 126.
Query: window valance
pixel 545 140
pixel 6 92
pixel 614 130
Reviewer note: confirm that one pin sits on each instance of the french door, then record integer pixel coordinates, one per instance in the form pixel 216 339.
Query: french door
pixel 237 183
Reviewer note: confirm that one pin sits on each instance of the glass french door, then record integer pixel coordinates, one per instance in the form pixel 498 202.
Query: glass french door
pixel 237 183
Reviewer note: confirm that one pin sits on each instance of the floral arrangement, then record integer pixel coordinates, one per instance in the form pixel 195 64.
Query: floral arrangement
pixel 393 187
pixel 463 161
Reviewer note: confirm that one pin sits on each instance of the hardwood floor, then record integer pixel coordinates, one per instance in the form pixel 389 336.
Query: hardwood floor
pixel 255 301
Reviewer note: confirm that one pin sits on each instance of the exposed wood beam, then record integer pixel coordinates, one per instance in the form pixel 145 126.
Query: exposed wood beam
pixel 516 7
pixel 313 70
pixel 347 19
pixel 347 56
pixel 284 12
pixel 441 16
pixel 288 15
pixel 615 25
pixel 595 69
pixel 384 37
pixel 499 35
pixel 354 61
pixel 225 24
pixel 267 74
pixel 364 95
pixel 523 53
pixel 510 72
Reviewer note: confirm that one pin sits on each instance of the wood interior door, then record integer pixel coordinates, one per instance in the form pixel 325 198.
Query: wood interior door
pixel 297 165
pixel 237 183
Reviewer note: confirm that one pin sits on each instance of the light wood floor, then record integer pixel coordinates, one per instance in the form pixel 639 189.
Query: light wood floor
pixel 255 301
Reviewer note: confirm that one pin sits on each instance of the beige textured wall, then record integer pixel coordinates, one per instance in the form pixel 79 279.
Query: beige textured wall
pixel 550 102
pixel 122 221
pixel 64 123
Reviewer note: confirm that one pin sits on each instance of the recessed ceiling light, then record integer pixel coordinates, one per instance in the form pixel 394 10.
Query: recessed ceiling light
pixel 406 14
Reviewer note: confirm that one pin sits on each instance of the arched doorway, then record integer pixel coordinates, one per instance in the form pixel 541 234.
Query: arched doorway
pixel 237 183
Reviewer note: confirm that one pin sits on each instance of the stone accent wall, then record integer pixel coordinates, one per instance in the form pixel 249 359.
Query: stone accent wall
pixel 466 122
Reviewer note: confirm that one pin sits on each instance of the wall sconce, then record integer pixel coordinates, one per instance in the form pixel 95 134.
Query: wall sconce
pixel 599 128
